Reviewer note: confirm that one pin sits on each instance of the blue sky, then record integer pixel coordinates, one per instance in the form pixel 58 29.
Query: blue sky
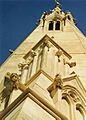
pixel 18 19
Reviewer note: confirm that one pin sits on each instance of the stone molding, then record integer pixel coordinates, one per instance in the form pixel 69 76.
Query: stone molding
pixel 50 42
pixel 40 101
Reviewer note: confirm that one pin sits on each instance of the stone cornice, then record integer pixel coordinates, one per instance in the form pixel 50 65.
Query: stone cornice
pixel 36 98
pixel 36 75
pixel 65 79
pixel 69 78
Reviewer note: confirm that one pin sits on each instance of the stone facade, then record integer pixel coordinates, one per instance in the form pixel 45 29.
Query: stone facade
pixel 44 78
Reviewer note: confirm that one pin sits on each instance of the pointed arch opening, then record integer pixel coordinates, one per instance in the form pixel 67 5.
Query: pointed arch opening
pixel 51 25
pixel 57 25
pixel 75 97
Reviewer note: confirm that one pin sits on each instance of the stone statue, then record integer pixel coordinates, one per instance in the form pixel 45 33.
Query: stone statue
pixel 9 85
pixel 43 17
pixel 58 82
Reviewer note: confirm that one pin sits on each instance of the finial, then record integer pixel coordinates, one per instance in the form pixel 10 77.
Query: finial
pixel 57 3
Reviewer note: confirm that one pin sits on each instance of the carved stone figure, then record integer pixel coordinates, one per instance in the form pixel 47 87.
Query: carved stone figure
pixel 9 84
pixel 43 17
pixel 58 83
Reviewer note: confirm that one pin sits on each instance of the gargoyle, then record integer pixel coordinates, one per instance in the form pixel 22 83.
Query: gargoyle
pixel 58 83
pixel 9 84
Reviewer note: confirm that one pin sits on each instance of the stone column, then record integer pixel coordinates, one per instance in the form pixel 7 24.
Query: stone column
pixel 73 111
pixel 51 62
pixel 31 63
pixel 34 66
pixel 60 63
pixel 56 66
pixel 61 66
pixel 29 71
pixel 54 25
pixel 44 57
pixel 24 73
pixel 46 47
pixel 84 116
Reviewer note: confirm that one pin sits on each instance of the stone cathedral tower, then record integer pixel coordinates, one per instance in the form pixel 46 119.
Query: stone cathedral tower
pixel 45 77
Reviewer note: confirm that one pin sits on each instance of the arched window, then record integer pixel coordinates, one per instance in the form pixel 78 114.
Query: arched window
pixel 57 26
pixel 51 25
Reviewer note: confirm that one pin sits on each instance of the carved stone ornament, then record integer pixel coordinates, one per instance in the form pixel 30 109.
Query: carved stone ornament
pixel 57 3
pixel 58 54
pixel 58 83
pixel 71 64
pixel 22 66
pixel 46 43
pixel 10 82
pixel 74 96
pixel 32 53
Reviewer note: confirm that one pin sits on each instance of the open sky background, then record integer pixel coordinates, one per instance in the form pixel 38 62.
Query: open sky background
pixel 18 19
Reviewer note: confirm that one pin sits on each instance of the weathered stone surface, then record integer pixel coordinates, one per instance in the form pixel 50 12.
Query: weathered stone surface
pixel 52 50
